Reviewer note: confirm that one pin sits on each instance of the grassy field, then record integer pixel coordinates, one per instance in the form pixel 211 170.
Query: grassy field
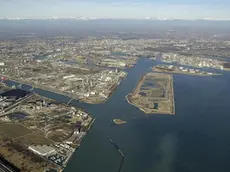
pixel 13 131
pixel 61 133
pixel 34 138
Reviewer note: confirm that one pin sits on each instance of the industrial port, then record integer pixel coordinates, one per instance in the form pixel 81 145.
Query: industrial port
pixel 195 61
pixel 85 84
pixel 86 61
pixel 154 94
pixel 37 133
pixel 90 69
pixel 182 70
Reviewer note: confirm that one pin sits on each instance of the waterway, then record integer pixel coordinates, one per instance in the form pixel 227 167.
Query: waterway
pixel 196 139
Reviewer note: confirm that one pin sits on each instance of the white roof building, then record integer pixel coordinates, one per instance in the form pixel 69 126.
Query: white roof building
pixel 42 150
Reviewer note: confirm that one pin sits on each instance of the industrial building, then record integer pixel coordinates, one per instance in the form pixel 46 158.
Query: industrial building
pixel 42 150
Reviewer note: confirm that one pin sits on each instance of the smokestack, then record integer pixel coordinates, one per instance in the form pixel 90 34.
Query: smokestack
pixel 79 129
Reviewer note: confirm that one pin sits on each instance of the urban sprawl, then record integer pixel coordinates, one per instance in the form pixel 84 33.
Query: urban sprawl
pixel 39 134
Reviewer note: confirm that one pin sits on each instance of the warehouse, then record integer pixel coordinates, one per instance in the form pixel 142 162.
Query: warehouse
pixel 42 150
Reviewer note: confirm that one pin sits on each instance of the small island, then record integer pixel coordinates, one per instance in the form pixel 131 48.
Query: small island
pixel 119 121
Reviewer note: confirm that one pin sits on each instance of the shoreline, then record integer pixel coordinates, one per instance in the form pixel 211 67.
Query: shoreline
pixel 184 73
pixel 173 97
pixel 78 145
pixel 119 121
pixel 74 149
pixel 83 100
pixel 194 66
pixel 160 113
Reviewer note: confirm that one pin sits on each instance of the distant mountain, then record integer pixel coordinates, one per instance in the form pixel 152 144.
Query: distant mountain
pixel 93 18
pixel 52 18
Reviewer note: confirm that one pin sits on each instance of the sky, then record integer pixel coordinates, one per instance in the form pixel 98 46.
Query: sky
pixel 171 9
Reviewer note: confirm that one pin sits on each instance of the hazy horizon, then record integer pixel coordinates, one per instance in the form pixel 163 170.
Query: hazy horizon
pixel 159 9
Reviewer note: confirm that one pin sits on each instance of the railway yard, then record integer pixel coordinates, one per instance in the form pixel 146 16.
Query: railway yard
pixel 154 94
pixel 37 133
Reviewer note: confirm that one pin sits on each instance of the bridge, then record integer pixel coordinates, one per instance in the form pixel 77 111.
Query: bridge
pixel 68 103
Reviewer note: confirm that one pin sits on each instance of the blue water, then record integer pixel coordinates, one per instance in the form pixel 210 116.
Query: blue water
pixel 18 115
pixel 41 57
pixel 71 62
pixel 15 93
pixel 196 139
pixel 117 53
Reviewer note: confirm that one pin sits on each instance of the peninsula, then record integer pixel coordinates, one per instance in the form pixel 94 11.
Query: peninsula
pixel 154 94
